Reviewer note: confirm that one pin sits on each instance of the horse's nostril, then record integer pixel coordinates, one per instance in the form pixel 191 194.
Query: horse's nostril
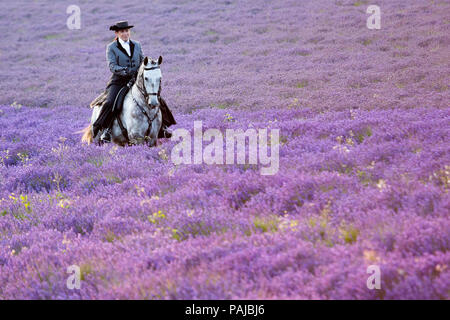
pixel 153 101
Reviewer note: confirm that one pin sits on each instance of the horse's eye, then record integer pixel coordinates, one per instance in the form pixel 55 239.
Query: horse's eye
pixel 146 79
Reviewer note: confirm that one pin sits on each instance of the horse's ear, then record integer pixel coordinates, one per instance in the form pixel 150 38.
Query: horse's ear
pixel 160 60
pixel 145 61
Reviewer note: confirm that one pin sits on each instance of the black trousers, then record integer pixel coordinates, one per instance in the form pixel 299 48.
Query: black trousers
pixel 106 117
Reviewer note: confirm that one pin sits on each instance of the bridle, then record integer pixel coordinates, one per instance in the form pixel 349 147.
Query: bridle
pixel 146 95
pixel 143 91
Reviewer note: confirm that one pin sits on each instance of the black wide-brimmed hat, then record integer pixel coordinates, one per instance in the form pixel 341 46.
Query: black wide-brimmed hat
pixel 120 25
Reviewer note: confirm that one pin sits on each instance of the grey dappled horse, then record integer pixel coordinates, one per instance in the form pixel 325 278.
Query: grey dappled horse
pixel 141 109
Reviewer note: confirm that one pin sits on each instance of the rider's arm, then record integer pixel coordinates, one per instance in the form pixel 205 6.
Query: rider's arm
pixel 113 66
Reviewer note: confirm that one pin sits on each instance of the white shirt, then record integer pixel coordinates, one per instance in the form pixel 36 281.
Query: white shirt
pixel 126 46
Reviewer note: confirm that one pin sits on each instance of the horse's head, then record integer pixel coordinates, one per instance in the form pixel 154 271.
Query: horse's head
pixel 149 79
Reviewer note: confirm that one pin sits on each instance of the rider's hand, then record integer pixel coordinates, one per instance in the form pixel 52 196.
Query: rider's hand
pixel 123 72
pixel 130 72
pixel 130 83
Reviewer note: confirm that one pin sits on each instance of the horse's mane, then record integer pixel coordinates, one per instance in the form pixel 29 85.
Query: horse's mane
pixel 139 73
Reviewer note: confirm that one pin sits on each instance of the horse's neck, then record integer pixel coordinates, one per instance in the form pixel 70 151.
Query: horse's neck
pixel 136 93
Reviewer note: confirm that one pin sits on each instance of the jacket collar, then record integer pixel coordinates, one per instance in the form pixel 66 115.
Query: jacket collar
pixel 123 49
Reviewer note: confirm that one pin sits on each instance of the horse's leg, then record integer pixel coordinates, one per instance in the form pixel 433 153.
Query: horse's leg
pixel 116 134
pixel 131 121
pixel 136 132
pixel 136 138
pixel 156 126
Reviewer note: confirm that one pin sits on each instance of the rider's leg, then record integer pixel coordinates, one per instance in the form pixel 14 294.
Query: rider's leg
pixel 106 116
pixel 167 115
pixel 164 132
pixel 167 121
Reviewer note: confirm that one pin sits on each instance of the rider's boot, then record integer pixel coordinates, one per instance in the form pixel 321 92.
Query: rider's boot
pixel 106 136
pixel 164 132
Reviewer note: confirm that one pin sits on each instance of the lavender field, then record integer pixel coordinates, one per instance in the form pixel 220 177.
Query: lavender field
pixel 364 153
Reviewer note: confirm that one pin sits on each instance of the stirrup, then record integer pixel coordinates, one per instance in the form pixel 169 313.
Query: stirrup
pixel 167 134
pixel 106 135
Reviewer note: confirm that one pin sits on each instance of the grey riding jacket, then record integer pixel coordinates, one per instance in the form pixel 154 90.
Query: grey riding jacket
pixel 119 62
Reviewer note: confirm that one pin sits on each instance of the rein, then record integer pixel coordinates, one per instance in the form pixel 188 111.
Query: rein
pixel 146 95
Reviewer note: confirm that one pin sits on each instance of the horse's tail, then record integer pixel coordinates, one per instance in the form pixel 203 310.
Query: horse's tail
pixel 87 134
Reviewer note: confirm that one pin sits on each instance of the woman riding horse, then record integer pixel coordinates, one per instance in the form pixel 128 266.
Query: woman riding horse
pixel 124 56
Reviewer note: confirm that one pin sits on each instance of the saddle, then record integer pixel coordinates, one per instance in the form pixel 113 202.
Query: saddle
pixel 117 107
pixel 101 99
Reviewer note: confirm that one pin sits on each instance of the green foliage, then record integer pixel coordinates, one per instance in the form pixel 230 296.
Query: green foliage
pixel 53 36
pixel 111 236
pixel 302 84
pixel 176 235
pixel 364 177
pixel 197 228
pixel 229 118
pixel 367 132
pixel 85 270
pixel 359 3
pixel 22 200
pixel 156 217
pixel 265 224
pixel 111 178
pixel 349 233
pixel 98 162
